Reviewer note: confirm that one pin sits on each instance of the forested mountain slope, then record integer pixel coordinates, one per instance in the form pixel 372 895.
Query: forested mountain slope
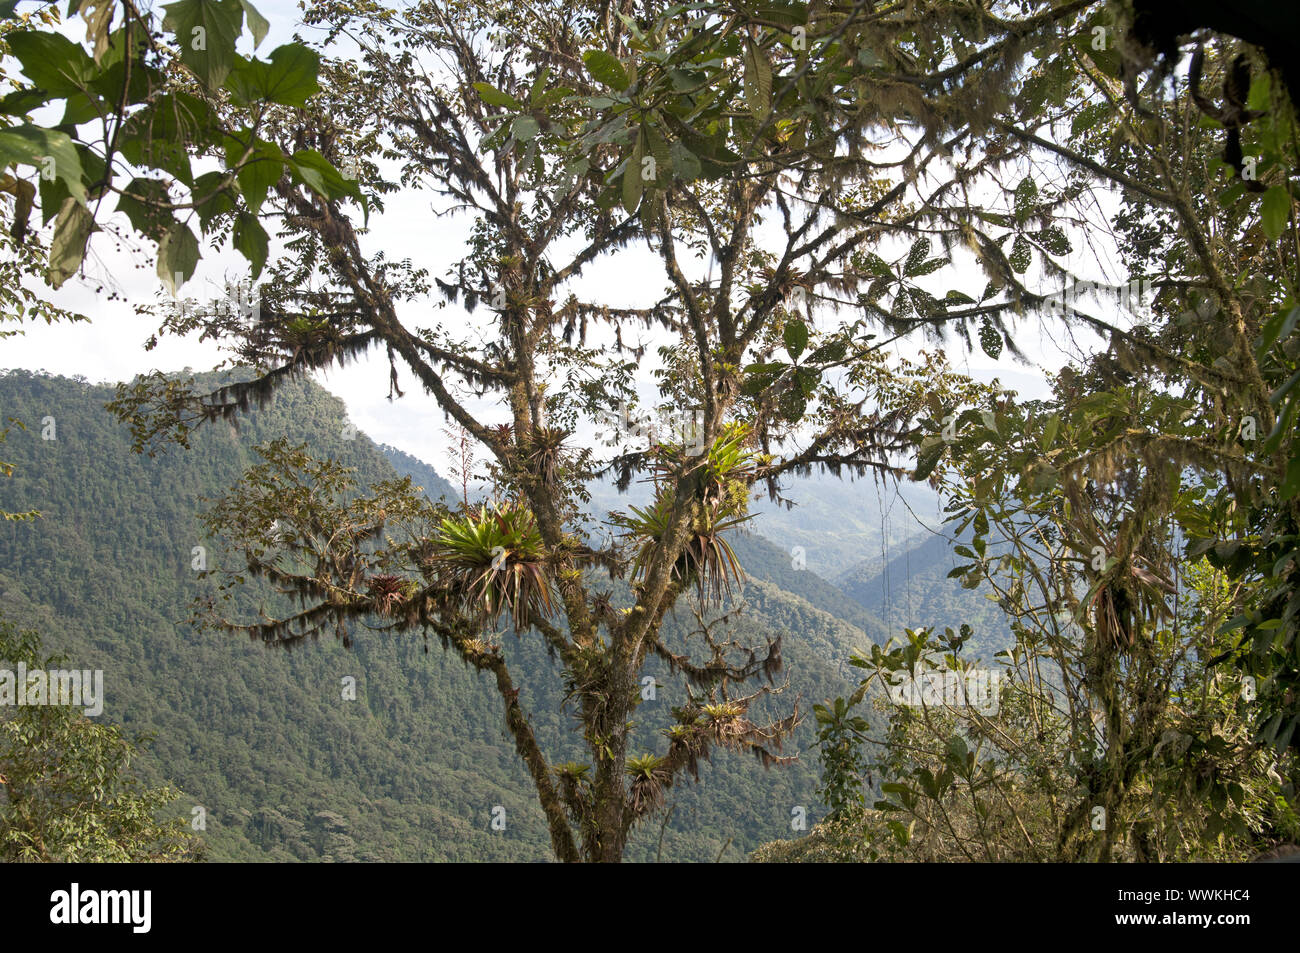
pixel 912 589
pixel 264 741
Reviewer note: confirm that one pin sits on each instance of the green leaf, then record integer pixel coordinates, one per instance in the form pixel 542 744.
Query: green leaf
pixel 163 135
pixel 877 266
pixel 40 147
pixel 315 171
pixel 633 184
pixel 257 24
pixel 927 267
pixel 928 457
pixel 525 128
pixel 72 229
pixel 1049 432
pixel 1278 328
pixel 212 197
pixel 22 101
pixel 1275 211
pixel 1021 254
pixel 1054 241
pixel 52 61
pixel 606 69
pixel 990 340
pixel 251 241
pixel 686 165
pixel 1291 482
pixel 1026 199
pixel 829 352
pixel 206 31
pixel 178 256
pixel 495 97
pixel 807 379
pixel 146 218
pixel 758 81
pixel 916 256
pixel 796 338
pixel 290 78
pixel 262 170
pixel 793 404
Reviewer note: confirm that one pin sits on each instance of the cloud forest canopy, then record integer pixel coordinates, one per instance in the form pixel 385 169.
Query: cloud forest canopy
pixel 817 182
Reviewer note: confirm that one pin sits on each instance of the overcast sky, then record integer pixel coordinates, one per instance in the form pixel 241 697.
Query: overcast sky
pixel 110 347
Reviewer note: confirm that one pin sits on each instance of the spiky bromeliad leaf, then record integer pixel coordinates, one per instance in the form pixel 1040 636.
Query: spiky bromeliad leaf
pixel 495 561
pixel 719 505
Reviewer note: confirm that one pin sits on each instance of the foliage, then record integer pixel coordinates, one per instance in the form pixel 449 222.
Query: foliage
pixel 412 768
pixel 493 562
pixel 143 99
pixel 67 791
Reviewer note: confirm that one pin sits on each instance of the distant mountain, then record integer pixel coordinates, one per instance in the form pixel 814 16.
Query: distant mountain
pixel 912 590
pixel 263 741
pixel 833 525
pixel 839 523
pixel 423 475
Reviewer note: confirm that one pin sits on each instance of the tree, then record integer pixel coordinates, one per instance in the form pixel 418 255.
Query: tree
pixel 864 135
pixel 138 109
pixel 1072 84
pixel 759 391
pixel 67 794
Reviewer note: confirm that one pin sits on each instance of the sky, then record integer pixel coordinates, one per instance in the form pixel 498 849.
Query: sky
pixel 110 347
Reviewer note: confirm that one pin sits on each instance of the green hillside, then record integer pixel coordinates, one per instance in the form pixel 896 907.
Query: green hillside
pixel 263 740
pixel 912 590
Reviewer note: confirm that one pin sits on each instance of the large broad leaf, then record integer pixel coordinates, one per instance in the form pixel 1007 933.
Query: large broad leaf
pixel 52 61
pixel 928 456
pixel 1053 239
pixel 1026 199
pixel 212 197
pixel 163 135
pixel 206 31
pixel 1021 254
pixel 875 265
pixel 793 405
pixel 22 101
pixel 251 241
pixel 990 340
pixel 288 79
pixel 633 184
pixel 50 151
pixel 917 255
pixel 178 256
pixel 1275 211
pixel 257 24
pixel 686 165
pixel 796 338
pixel 606 69
pixel 262 170
pixel 758 81
pixel 314 170
pixel 72 230
pixel 141 201
pixel 495 97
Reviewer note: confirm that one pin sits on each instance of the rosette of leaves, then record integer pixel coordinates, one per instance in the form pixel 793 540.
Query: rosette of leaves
pixel 544 456
pixel 720 503
pixel 494 561
pixel 388 593
pixel 650 777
